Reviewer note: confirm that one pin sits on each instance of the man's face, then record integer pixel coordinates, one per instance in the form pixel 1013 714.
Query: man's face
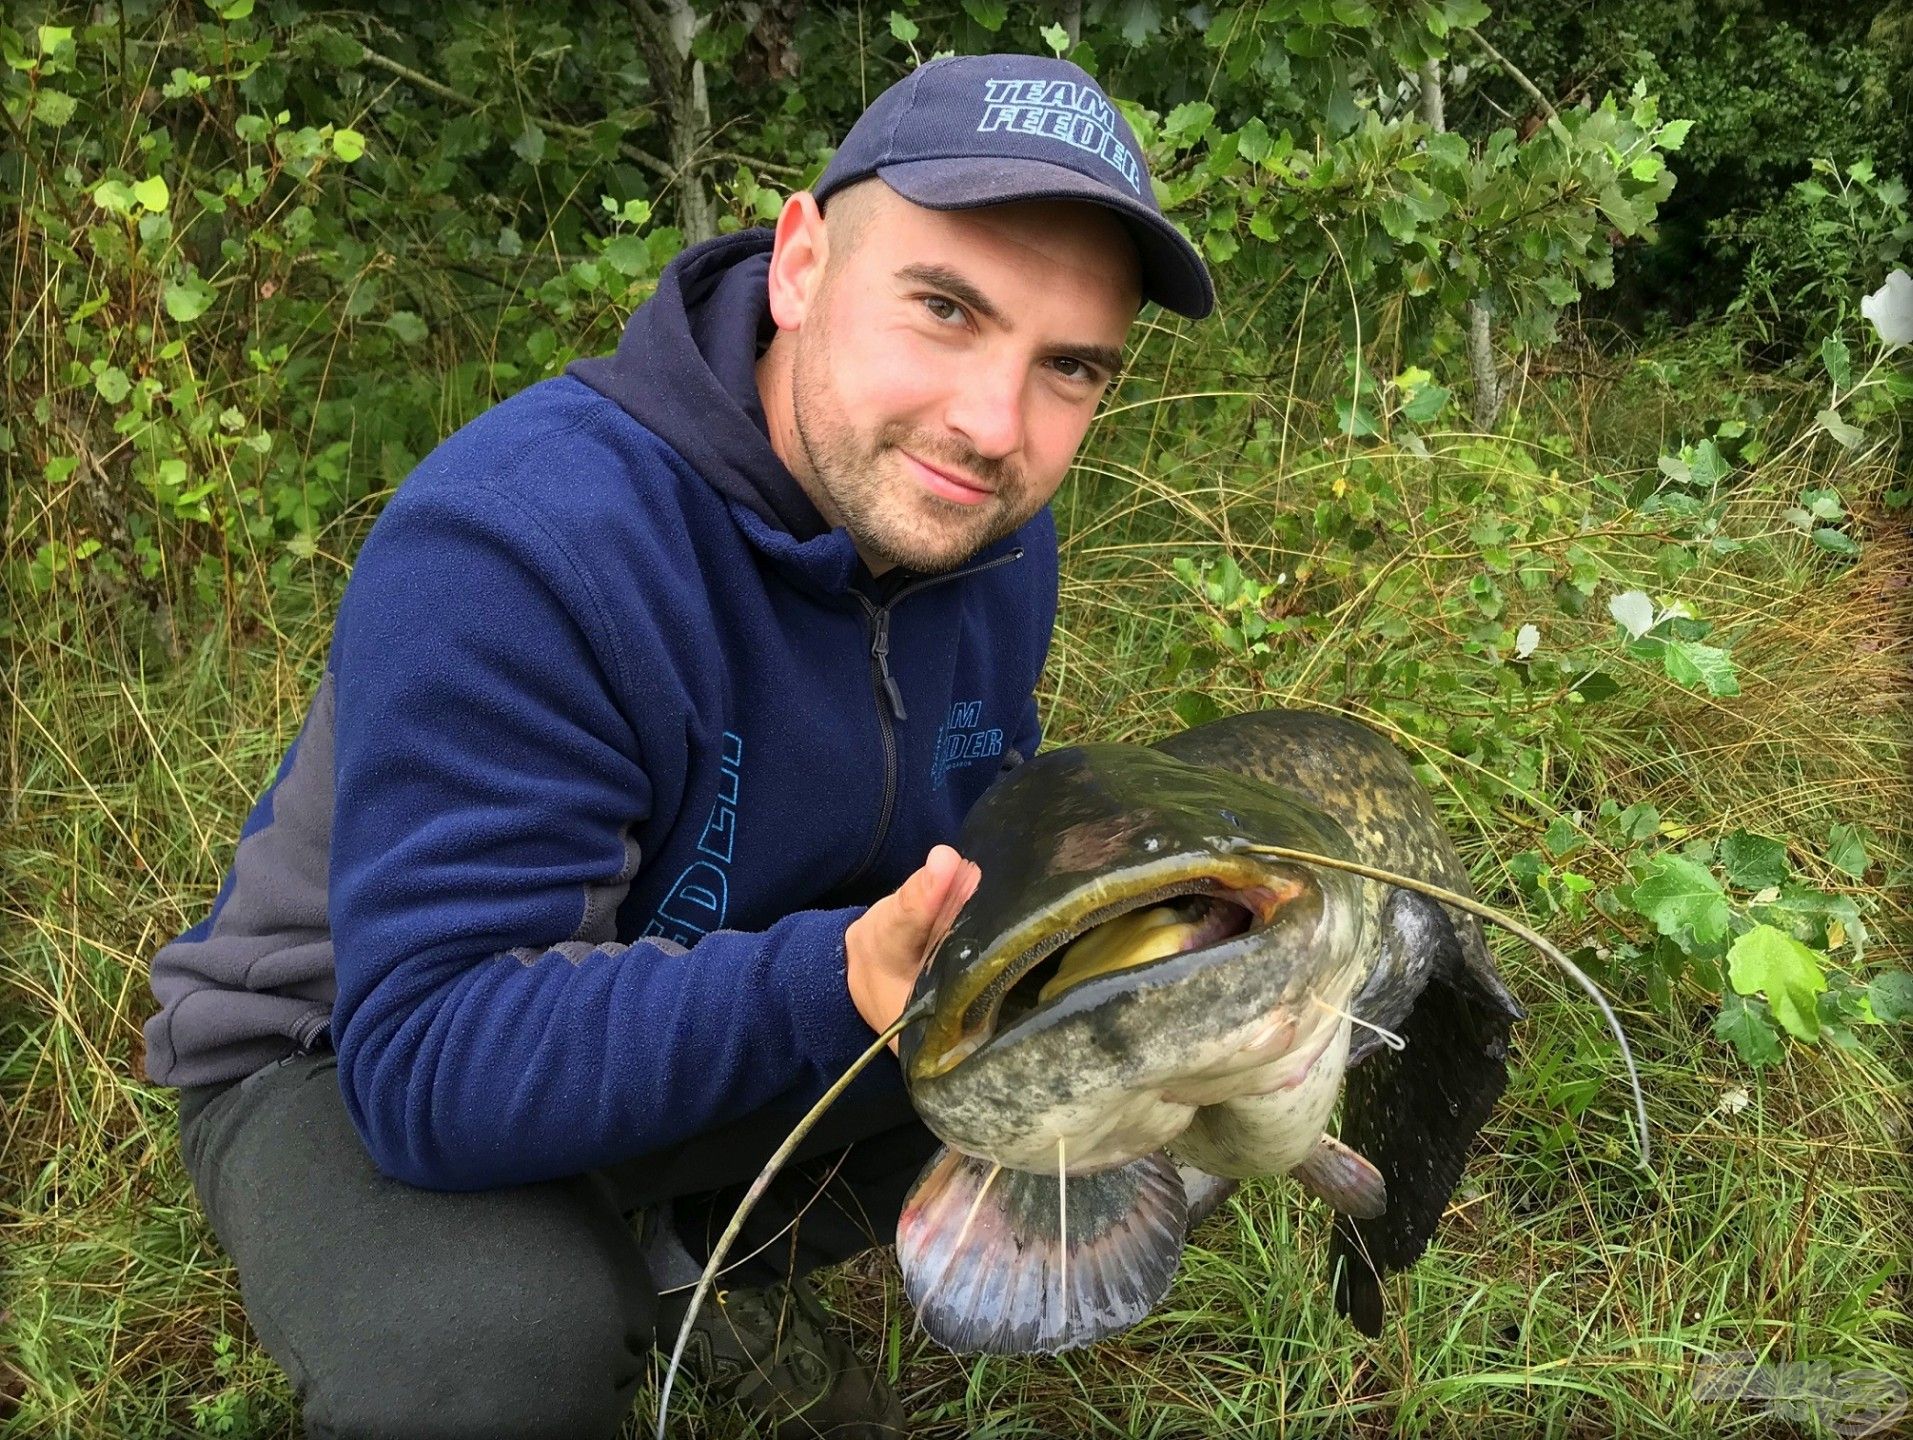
pixel 943 372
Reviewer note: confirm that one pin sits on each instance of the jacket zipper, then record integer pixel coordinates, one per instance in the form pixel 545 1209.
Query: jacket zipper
pixel 890 699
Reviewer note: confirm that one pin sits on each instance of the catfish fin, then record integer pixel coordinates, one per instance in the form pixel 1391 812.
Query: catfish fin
pixel 1338 1175
pixel 1414 1112
pixel 1204 1192
pixel 993 1264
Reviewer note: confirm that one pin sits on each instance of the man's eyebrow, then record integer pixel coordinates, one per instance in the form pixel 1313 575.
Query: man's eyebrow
pixel 1108 358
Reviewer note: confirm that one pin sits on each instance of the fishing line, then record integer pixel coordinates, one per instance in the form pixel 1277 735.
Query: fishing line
pixel 1475 907
pixel 803 1127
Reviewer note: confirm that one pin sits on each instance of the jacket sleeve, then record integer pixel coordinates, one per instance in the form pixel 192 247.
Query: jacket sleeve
pixel 485 780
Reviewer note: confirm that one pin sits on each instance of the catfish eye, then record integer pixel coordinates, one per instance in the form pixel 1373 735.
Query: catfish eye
pixel 1152 843
pixel 1229 817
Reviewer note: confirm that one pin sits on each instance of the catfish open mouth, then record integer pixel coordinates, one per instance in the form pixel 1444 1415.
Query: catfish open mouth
pixel 1175 920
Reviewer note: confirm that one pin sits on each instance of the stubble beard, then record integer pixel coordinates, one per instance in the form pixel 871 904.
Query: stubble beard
pixel 891 517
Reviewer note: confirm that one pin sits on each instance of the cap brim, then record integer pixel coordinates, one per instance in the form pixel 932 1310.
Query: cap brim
pixel 1173 274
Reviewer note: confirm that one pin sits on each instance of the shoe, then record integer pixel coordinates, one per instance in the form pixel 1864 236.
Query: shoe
pixel 771 1352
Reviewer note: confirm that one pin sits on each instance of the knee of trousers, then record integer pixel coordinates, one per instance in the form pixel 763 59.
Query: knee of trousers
pixel 489 1365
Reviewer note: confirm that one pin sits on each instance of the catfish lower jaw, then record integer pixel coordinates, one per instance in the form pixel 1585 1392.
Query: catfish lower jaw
pixel 1155 927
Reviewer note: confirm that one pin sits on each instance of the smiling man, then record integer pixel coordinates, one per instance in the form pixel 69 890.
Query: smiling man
pixel 616 828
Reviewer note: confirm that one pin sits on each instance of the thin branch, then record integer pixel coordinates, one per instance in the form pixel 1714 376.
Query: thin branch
pixel 1515 71
pixel 557 127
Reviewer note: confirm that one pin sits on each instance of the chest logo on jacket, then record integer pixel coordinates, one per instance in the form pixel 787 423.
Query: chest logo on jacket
pixel 698 899
pixel 962 740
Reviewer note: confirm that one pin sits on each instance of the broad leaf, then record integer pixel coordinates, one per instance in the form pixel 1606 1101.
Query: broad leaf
pixel 1684 901
pixel 1771 961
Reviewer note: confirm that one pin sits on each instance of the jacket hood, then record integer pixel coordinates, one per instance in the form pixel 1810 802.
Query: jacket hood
pixel 685 369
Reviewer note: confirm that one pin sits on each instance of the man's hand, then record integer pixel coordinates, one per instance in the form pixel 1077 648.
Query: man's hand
pixel 886 945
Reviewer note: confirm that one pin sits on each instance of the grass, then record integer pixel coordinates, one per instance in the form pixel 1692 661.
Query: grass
pixel 1568 1293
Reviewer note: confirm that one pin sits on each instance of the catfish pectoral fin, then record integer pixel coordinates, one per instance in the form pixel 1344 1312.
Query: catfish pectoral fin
pixel 1337 1174
pixel 1204 1192
pixel 997 1262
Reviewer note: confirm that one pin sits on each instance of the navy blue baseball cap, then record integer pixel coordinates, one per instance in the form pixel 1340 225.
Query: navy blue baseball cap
pixel 975 130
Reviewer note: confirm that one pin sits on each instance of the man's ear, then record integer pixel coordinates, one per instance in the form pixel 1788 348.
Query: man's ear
pixel 798 257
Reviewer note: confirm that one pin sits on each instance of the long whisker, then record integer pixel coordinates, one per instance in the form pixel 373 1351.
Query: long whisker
pixel 911 1014
pixel 956 1245
pixel 1389 1037
pixel 1475 907
pixel 1062 1221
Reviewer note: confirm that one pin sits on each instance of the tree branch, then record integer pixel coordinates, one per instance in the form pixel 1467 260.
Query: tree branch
pixel 1514 72
pixel 426 83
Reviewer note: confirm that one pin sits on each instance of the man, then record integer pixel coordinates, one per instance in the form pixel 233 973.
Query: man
pixel 600 853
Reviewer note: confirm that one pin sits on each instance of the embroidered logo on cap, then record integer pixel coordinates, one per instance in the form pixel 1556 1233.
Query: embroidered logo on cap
pixel 1062 110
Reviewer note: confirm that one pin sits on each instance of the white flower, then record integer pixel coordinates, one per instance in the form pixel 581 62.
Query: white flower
pixel 1735 1100
pixel 1890 308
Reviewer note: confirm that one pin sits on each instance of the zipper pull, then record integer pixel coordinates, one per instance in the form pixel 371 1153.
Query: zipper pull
pixel 880 651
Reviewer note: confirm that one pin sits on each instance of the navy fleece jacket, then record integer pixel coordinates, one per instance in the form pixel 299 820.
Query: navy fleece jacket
pixel 625 738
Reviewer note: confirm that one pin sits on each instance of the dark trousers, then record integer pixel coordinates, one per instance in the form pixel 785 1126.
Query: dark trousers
pixel 526 1311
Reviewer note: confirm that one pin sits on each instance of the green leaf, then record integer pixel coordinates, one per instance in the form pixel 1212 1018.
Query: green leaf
pixel 1193 708
pixel 1833 354
pixel 1633 611
pixel 1563 838
pixel 903 28
pixel 1639 822
pixel 112 384
pixel 115 196
pixel 53 107
pixel 1753 862
pixel 990 14
pixel 1188 123
pixel 1745 1025
pixel 1844 435
pixel 1254 143
pixel 407 326
pixel 348 145
pixel 1673 134
pixel 235 10
pixel 628 254
pixel 1684 901
pixel 186 300
pixel 1837 542
pixel 1890 996
pixel 1426 403
pixel 1690 663
pixel 1770 960
pixel 1847 850
pixel 530 144
pixel 152 194
pixel 1056 37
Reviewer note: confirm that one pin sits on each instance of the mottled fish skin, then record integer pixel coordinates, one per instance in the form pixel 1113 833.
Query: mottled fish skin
pixel 1356 777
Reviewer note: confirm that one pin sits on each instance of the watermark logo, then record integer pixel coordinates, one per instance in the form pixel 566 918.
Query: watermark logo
pixel 1846 1402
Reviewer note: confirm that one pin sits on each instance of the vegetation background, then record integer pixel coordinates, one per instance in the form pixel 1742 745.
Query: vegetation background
pixel 1541 425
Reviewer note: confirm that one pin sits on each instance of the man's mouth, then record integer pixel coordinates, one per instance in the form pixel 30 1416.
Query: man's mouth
pixel 945 483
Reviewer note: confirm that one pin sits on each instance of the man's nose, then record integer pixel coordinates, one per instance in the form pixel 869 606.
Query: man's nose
pixel 987 408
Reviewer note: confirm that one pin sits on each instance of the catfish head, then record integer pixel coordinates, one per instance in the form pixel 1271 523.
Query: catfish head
pixel 1126 960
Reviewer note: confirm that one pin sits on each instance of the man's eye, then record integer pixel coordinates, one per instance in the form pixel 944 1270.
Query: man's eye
pixel 942 308
pixel 1073 369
